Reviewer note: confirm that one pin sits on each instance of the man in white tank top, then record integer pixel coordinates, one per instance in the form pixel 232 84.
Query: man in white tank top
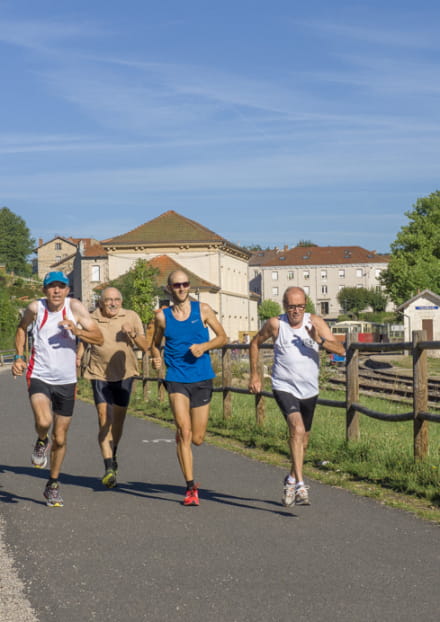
pixel 297 337
pixel 58 322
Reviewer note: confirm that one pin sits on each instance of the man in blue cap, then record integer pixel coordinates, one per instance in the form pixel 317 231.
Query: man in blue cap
pixel 58 322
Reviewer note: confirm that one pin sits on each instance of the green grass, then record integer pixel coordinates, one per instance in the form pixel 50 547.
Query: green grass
pixel 382 460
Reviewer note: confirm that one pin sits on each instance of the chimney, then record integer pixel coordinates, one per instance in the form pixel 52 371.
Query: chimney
pixel 40 242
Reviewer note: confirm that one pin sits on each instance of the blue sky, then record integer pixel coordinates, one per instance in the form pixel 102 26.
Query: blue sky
pixel 267 122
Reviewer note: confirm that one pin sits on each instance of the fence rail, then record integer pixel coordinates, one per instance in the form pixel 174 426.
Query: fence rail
pixel 6 357
pixel 420 416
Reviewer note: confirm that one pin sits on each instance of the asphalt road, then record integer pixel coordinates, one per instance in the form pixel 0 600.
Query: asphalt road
pixel 135 553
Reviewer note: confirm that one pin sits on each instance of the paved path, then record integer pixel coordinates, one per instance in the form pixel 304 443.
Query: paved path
pixel 135 553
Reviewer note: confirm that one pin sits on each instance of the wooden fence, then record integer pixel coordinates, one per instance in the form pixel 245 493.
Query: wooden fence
pixel 419 414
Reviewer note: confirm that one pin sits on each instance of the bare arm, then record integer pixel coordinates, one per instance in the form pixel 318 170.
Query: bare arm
pixel 322 334
pixel 88 330
pixel 269 330
pixel 19 365
pixel 159 328
pixel 210 319
pixel 135 332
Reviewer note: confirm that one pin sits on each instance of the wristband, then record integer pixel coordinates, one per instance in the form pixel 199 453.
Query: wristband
pixel 323 340
pixel 19 356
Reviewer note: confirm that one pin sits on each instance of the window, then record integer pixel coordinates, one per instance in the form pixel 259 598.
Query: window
pixel 274 276
pixel 256 273
pixel 307 289
pixel 323 275
pixel 324 289
pixel 57 246
pixel 359 272
pixel 306 274
pixel 290 275
pixel 96 273
pixel 341 274
pixel 274 291
pixel 378 272
pixel 58 258
pixel 324 308
pixel 340 287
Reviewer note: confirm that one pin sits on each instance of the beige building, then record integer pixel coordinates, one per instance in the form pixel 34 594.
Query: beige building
pixel 322 271
pixel 422 312
pixel 221 264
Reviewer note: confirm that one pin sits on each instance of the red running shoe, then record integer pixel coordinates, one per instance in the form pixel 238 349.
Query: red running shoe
pixel 191 496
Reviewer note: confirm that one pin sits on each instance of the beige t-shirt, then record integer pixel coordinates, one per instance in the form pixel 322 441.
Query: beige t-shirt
pixel 115 359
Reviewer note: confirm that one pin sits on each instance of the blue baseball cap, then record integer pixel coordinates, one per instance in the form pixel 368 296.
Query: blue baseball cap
pixel 55 277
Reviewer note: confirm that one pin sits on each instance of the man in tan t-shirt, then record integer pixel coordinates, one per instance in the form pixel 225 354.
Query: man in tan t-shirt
pixel 111 369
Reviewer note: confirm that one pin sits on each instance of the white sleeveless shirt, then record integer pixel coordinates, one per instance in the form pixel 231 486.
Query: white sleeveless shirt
pixel 53 357
pixel 296 360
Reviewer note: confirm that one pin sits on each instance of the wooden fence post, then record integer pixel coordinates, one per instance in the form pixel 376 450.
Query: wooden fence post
pixel 420 393
pixel 352 392
pixel 227 382
pixel 259 399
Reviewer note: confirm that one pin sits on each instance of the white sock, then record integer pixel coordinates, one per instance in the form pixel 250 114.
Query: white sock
pixel 291 480
pixel 299 485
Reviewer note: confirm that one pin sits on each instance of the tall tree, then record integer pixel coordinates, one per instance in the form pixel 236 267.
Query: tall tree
pixel 15 242
pixel 415 253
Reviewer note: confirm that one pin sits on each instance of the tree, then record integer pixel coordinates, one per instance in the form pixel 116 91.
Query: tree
pixel 377 300
pixel 305 243
pixel 8 320
pixel 415 253
pixel 15 242
pixel 139 290
pixel 267 309
pixel 353 299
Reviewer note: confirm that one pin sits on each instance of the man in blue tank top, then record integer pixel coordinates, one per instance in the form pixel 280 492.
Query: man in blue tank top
pixel 297 337
pixel 189 374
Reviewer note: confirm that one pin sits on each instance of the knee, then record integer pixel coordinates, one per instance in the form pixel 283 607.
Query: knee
pixel 183 435
pixel 59 441
pixel 198 440
pixel 298 433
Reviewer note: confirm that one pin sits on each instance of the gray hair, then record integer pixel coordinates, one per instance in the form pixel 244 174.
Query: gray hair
pixel 102 297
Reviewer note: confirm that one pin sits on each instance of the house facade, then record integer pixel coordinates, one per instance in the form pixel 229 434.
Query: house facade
pixel 322 271
pixel 221 264
pixel 58 251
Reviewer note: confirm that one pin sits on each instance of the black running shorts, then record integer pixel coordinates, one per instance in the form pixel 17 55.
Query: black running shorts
pixel 198 393
pixel 61 396
pixel 288 404
pixel 117 392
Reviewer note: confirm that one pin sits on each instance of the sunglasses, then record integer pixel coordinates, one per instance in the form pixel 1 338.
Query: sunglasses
pixel 296 307
pixel 184 284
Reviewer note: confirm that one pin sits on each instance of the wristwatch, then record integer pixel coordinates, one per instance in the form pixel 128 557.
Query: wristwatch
pixel 19 356
pixel 323 340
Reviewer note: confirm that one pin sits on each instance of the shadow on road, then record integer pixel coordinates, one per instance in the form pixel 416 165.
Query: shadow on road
pixel 163 492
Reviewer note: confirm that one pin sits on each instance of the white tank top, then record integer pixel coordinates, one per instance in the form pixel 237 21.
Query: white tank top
pixel 53 357
pixel 296 360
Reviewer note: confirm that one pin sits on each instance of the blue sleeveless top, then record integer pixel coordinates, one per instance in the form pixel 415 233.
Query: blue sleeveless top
pixel 182 365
